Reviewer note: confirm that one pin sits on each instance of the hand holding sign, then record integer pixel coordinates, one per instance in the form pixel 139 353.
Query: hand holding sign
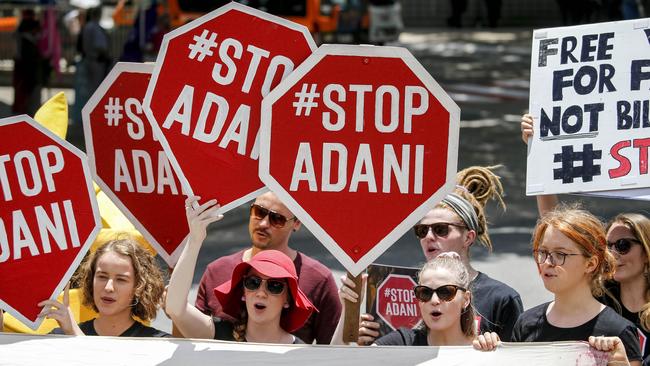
pixel 62 313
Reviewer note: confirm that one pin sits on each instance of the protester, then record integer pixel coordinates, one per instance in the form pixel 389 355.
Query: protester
pixel 270 226
pixel 570 249
pixel 262 294
pixel 120 281
pixel 628 239
pixel 93 46
pixel 28 73
pixel 454 225
pixel 445 304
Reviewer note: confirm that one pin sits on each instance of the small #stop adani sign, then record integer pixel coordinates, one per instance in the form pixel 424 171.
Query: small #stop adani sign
pixel 359 142
pixel 48 215
pixel 129 164
pixel 205 95
pixel 396 302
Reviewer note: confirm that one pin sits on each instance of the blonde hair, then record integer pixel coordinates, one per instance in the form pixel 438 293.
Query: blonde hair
pixel 588 233
pixel 478 185
pixel 482 183
pixel 639 225
pixel 148 279
pixel 459 272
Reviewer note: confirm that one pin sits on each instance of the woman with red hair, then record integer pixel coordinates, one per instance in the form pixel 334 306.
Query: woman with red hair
pixel 570 249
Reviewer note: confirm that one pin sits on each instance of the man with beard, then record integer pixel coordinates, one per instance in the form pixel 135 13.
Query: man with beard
pixel 270 226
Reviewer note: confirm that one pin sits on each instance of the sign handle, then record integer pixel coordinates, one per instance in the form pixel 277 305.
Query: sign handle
pixel 352 310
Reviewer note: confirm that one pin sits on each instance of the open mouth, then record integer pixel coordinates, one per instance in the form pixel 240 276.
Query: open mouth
pixel 260 306
pixel 436 313
pixel 432 250
pixel 107 300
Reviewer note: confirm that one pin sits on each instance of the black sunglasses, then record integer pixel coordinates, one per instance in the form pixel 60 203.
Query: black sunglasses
pixel 275 219
pixel 439 229
pixel 622 246
pixel 274 287
pixel 445 293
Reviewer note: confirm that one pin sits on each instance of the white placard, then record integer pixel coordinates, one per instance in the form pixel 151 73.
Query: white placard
pixel 590 97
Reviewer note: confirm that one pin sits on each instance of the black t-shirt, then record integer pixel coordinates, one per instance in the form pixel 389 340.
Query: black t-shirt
pixel 404 337
pixel 223 330
pixel 644 337
pixel 497 305
pixel 533 326
pixel 136 330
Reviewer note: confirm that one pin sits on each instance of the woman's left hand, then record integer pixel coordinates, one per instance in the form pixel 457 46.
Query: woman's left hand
pixel 487 341
pixel 614 346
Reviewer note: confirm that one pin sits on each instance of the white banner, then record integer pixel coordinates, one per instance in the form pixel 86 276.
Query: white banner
pixel 28 350
pixel 589 95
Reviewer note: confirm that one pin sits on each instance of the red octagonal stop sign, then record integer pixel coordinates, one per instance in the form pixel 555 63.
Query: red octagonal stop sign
pixel 359 142
pixel 48 215
pixel 396 302
pixel 205 96
pixel 129 164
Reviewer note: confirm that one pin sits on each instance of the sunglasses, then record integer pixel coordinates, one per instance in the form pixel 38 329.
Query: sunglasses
pixel 439 229
pixel 445 293
pixel 275 219
pixel 274 287
pixel 622 246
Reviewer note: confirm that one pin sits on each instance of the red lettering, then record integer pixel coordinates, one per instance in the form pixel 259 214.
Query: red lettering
pixel 642 145
pixel 624 163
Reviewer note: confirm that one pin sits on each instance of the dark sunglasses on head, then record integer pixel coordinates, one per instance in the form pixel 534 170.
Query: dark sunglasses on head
pixel 622 246
pixel 274 287
pixel 439 229
pixel 275 219
pixel 445 293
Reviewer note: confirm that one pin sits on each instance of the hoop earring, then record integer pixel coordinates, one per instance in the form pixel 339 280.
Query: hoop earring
pixel 136 302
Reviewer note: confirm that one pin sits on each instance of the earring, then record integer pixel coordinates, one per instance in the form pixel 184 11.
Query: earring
pixel 136 302
pixel 286 306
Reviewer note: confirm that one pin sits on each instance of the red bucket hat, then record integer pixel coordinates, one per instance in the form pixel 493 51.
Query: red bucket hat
pixel 273 264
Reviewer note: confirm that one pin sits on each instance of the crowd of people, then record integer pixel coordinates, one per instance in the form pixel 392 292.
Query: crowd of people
pixel 270 293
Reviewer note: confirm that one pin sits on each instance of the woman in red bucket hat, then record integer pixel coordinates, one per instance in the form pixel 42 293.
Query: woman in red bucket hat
pixel 262 294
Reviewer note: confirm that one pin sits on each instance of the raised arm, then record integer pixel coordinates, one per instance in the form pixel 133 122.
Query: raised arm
pixel 188 319
pixel 547 202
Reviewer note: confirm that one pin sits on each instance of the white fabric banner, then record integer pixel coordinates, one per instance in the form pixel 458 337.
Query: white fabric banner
pixel 28 350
